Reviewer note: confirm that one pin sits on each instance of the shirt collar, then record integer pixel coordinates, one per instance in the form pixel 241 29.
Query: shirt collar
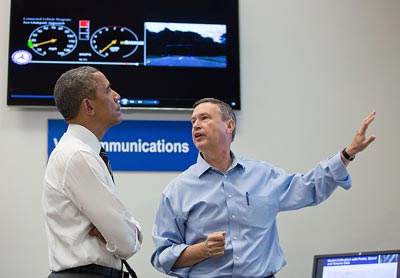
pixel 202 166
pixel 84 135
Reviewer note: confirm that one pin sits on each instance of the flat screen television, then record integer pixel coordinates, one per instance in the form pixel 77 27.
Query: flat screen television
pixel 156 54
pixel 372 264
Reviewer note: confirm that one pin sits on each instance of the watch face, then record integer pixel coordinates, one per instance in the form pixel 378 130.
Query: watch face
pixel 21 57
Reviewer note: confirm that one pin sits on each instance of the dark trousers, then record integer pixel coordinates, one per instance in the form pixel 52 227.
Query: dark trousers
pixel 73 275
pixel 89 271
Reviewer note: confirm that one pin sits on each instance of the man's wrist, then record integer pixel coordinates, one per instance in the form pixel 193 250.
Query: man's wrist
pixel 347 155
pixel 206 250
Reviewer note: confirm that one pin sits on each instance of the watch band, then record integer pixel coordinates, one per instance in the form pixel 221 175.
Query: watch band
pixel 347 156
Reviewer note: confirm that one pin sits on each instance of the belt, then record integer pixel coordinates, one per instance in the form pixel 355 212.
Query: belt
pixel 97 269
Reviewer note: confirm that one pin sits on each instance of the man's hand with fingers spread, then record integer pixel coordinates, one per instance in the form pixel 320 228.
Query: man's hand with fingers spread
pixel 360 142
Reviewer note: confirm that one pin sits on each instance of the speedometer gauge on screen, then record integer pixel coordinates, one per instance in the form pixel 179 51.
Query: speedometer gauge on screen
pixel 52 40
pixel 116 41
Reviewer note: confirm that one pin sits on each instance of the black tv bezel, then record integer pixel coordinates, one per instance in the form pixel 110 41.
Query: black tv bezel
pixel 319 257
pixel 173 103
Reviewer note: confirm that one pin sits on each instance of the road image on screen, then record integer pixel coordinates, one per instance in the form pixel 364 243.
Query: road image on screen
pixel 185 45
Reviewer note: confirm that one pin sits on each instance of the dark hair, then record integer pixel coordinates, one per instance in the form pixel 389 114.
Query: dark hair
pixel 224 108
pixel 72 87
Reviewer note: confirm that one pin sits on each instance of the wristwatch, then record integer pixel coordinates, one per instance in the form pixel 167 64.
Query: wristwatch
pixel 347 156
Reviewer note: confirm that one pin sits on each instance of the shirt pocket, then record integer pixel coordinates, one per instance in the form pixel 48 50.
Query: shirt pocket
pixel 261 211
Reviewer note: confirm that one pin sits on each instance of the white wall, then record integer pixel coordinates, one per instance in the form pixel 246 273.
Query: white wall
pixel 311 70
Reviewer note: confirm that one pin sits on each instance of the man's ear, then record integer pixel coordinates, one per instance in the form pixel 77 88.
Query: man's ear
pixel 87 107
pixel 230 126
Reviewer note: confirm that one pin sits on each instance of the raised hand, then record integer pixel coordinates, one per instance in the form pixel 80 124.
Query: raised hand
pixel 360 141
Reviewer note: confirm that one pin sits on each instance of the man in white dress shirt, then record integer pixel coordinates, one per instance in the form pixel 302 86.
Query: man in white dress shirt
pixel 89 230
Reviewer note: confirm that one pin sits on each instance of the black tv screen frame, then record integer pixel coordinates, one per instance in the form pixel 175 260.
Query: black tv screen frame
pixel 370 260
pixel 156 54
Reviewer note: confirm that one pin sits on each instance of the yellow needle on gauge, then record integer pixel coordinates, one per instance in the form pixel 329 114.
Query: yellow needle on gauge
pixel 108 46
pixel 46 42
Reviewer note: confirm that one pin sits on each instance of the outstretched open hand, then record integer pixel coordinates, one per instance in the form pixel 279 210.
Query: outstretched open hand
pixel 360 142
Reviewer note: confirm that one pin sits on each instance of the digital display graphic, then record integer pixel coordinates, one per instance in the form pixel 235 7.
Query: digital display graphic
pixel 155 53
pixel 379 264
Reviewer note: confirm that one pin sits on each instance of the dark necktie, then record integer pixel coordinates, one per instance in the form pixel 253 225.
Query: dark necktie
pixel 103 155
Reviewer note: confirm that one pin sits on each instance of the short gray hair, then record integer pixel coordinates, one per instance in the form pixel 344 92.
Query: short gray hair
pixel 72 87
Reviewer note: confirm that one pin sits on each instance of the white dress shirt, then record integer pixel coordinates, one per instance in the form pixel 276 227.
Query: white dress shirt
pixel 78 194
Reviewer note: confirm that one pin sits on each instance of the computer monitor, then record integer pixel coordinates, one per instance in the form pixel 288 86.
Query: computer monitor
pixel 371 264
pixel 156 54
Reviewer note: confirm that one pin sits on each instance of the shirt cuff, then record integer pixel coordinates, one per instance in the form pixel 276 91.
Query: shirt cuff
pixel 339 171
pixel 169 256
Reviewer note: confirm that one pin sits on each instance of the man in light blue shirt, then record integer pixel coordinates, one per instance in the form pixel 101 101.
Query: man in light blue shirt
pixel 218 218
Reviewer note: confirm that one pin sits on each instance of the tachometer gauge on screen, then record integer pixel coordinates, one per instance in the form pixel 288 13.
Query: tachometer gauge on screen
pixel 114 41
pixel 52 40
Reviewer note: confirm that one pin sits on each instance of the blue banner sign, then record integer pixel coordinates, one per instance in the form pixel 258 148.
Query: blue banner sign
pixel 141 145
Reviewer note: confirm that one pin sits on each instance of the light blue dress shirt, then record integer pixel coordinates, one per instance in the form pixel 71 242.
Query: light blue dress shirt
pixel 244 202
